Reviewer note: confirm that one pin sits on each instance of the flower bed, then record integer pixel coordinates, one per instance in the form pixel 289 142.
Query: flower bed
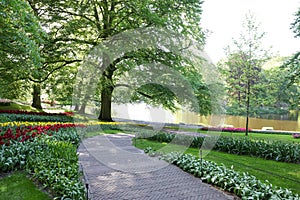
pixel 296 135
pixel 50 158
pixel 272 150
pixel 24 133
pixel 243 185
pixel 11 117
pixel 226 129
pixel 36 113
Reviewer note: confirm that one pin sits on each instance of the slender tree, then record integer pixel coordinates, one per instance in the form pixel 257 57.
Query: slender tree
pixel 243 67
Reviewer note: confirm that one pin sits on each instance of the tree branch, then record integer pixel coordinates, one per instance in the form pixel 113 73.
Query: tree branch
pixel 128 86
pixel 75 40
pixel 53 70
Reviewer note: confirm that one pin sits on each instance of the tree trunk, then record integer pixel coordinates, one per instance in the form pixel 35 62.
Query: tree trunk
pixel 248 107
pixel 107 90
pixel 106 98
pixel 82 109
pixel 36 97
pixel 76 107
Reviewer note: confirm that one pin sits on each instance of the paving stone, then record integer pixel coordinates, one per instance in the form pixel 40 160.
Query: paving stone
pixel 116 170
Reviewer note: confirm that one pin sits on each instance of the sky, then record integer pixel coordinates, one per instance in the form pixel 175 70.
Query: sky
pixel 223 18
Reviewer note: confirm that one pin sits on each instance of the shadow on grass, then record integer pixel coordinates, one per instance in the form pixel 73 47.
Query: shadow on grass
pixel 17 186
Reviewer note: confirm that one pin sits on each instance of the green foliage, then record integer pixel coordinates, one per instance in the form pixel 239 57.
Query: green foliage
pixel 57 167
pixel 19 51
pixel 272 150
pixel 285 175
pixel 243 185
pixel 293 64
pixel 277 90
pixel 51 160
pixel 35 118
pixel 242 69
pixel 86 24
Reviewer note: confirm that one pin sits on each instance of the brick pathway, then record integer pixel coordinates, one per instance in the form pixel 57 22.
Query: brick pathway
pixel 115 170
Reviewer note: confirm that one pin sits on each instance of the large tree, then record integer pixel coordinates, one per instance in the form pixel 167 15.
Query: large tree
pixel 29 51
pixel 59 57
pixel 278 93
pixel 78 26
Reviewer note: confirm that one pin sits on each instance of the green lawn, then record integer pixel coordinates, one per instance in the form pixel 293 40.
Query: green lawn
pixel 15 106
pixel 286 175
pixel 18 187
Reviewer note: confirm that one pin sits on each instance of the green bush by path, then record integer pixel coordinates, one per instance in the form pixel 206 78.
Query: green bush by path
pixel 52 160
pixel 285 152
pixel 243 185
pixel 285 175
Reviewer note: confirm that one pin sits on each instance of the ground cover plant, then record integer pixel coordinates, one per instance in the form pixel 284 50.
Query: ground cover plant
pixel 243 185
pixel 273 150
pixel 285 175
pixel 47 152
pixel 5 117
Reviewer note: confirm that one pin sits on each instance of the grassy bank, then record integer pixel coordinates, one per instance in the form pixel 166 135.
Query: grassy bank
pixel 281 174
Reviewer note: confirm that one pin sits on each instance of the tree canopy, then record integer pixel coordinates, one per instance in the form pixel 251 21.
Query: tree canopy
pixel 58 35
pixel 293 64
pixel 19 49
pixel 243 68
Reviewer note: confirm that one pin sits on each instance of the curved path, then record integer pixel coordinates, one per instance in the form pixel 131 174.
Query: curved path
pixel 115 170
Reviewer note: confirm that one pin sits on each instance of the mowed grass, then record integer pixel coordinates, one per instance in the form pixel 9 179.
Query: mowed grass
pixel 18 187
pixel 285 175
pixel 16 106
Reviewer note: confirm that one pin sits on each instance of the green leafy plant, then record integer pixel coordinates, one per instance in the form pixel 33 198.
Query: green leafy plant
pixel 243 185
pixel 272 150
pixel 36 118
pixel 52 160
